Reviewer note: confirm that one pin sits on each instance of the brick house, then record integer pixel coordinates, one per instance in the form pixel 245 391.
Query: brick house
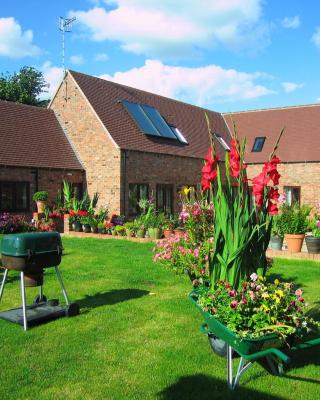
pixel 35 154
pixel 133 143
pixel 299 147
pixel 126 143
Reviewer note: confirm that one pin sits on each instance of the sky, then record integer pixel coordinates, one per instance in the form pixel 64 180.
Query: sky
pixel 224 55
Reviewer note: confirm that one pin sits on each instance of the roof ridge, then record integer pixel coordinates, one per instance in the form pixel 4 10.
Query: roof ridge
pixel 24 105
pixel 272 109
pixel 122 86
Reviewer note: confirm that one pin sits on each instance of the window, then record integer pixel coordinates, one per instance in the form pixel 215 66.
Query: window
pixel 179 134
pixel 14 196
pixel 77 189
pixel 164 198
pixel 151 122
pixel 221 141
pixel 137 191
pixel 258 144
pixel 292 195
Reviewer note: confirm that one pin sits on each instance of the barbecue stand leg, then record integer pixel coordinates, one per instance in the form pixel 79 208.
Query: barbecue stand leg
pixel 62 285
pixel 3 283
pixel 232 383
pixel 23 297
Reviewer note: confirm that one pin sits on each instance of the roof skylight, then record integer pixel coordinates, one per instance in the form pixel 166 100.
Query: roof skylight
pixel 223 143
pixel 151 122
pixel 258 144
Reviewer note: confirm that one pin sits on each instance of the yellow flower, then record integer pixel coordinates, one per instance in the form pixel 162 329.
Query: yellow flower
pixel 264 308
pixel 276 298
pixel 279 293
pixel 186 190
pixel 265 295
pixel 276 282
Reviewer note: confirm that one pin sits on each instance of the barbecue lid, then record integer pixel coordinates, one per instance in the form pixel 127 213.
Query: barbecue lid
pixel 31 243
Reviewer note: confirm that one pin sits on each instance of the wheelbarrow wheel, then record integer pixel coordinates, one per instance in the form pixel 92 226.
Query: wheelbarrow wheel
pixel 39 299
pixel 72 310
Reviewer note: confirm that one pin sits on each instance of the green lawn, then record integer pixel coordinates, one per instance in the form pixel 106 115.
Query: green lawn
pixel 137 336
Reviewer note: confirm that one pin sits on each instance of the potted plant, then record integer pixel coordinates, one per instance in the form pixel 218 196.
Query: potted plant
pixel 101 227
pixel 74 221
pixel 113 231
pixel 129 227
pixel 141 231
pixel 94 225
pixel 295 225
pixel 85 222
pixel 40 198
pixel 277 233
pixel 168 227
pixel 313 241
pixel 120 230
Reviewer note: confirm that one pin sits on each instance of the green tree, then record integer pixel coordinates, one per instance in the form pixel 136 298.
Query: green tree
pixel 24 86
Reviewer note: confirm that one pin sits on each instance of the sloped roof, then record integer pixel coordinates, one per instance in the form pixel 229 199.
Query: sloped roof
pixel 105 98
pixel 32 137
pixel 300 141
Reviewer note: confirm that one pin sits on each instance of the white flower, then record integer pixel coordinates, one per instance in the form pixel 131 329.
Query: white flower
pixel 254 277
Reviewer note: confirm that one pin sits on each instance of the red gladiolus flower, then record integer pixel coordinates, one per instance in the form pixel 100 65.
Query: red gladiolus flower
pixel 273 208
pixel 234 156
pixel 209 171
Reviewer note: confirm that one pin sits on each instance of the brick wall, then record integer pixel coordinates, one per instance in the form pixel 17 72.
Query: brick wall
pixel 99 155
pixel 304 175
pixel 48 180
pixel 153 169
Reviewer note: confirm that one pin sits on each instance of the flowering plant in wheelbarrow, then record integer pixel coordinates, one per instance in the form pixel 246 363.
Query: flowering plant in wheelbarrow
pixel 248 307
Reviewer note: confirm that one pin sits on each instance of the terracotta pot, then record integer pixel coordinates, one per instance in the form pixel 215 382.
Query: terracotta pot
pixel 168 232
pixel 179 232
pixel 41 206
pixel 294 242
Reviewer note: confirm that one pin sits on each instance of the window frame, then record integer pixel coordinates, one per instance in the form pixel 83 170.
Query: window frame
pixel 14 198
pixel 164 186
pixel 285 188
pixel 138 198
pixel 259 150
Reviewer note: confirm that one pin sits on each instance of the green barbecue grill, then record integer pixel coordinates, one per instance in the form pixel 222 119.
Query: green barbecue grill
pixel 31 254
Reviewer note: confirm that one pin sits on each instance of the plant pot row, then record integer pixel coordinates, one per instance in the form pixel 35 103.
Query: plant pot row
pixel 295 242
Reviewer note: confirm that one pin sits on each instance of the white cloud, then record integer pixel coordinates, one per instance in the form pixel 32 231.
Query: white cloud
pixel 318 99
pixel 15 43
pixel 53 76
pixel 291 86
pixel 291 22
pixel 177 28
pixel 101 57
pixel 202 86
pixel 77 59
pixel 316 37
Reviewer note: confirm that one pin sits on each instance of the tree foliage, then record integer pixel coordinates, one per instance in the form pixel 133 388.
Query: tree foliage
pixel 24 86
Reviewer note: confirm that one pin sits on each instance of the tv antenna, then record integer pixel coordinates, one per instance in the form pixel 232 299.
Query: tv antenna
pixel 65 25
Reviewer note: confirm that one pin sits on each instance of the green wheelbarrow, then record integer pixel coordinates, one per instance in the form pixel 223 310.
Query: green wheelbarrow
pixel 269 348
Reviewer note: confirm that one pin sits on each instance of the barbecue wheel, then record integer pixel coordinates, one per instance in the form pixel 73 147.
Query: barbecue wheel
pixel 39 299
pixel 73 309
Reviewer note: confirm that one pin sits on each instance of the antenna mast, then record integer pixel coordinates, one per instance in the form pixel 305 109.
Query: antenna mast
pixel 65 25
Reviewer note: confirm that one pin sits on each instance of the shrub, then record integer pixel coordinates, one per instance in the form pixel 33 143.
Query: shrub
pixel 40 196
pixel 295 219
pixel 120 229
pixel 14 224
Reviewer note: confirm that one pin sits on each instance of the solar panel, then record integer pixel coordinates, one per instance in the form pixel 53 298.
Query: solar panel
pixel 158 122
pixel 141 118
pixel 151 122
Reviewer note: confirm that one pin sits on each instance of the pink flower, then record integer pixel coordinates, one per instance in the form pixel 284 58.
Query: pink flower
pixel 234 304
pixel 232 293
pixel 196 252
pixel 298 292
pixel 254 277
